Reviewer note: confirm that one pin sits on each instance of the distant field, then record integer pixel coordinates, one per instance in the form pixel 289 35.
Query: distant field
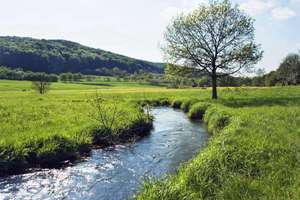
pixel 254 150
pixel 8 85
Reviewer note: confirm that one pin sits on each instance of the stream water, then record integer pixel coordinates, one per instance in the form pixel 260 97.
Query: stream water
pixel 116 172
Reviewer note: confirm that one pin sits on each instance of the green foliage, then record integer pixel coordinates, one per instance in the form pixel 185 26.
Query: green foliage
pixel 58 56
pixel 65 77
pixel 217 118
pixel 112 121
pixel 288 73
pixel 198 110
pixel 179 76
pixel 49 130
pixel 42 83
pixel 289 70
pixel 216 38
pixel 186 105
pixel 253 152
pixel 19 74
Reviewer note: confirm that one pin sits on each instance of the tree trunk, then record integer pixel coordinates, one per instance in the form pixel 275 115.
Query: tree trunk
pixel 214 86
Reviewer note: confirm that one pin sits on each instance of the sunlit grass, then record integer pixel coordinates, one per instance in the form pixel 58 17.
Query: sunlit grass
pixel 253 153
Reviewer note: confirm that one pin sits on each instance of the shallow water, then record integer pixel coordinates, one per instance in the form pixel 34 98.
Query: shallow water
pixel 116 173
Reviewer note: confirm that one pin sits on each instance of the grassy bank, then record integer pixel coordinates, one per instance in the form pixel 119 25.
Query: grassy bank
pixel 254 153
pixel 46 131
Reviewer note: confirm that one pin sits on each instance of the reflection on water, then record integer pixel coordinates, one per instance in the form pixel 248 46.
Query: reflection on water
pixel 115 173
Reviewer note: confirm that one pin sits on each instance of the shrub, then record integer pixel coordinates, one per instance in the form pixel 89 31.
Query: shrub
pixel 176 103
pixel 198 110
pixel 186 105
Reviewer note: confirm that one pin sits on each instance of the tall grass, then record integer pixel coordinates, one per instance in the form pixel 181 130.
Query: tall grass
pixel 254 154
pixel 38 131
pixel 197 110
pixel 254 151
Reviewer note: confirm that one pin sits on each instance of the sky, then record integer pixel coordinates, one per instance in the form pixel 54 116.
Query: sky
pixel 135 27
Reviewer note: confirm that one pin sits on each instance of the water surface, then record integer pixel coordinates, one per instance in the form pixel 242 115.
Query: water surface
pixel 116 173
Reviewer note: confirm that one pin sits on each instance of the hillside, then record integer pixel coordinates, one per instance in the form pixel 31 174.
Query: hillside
pixel 57 56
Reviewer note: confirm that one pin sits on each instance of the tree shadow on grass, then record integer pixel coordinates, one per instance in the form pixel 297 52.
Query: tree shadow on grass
pixel 259 101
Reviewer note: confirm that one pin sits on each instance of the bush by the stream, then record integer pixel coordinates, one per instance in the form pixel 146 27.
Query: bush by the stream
pixel 197 110
pixel 176 103
pixel 187 104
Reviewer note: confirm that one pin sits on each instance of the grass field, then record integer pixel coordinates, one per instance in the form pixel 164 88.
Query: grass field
pixel 254 151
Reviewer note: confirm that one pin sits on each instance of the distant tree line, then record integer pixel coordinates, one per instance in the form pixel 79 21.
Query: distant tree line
pixel 288 73
pixel 70 77
pixel 115 71
pixel 19 74
pixel 151 78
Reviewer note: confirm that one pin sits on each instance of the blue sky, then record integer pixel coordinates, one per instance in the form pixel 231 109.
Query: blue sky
pixel 135 27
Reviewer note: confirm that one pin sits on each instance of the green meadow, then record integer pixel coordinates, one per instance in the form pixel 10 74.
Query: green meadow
pixel 254 151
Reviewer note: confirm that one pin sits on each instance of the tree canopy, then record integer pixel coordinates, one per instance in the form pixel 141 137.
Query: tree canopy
pixel 217 39
pixel 289 70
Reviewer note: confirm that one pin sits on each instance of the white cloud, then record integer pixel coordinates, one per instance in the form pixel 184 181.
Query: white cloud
pixel 254 7
pixel 283 13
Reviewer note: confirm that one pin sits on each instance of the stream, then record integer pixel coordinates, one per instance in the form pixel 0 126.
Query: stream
pixel 116 172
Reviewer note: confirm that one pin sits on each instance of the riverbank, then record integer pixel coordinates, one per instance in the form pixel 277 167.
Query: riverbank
pixel 58 146
pixel 254 153
pixel 116 172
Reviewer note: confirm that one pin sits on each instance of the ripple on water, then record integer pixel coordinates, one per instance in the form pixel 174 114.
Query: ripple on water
pixel 115 172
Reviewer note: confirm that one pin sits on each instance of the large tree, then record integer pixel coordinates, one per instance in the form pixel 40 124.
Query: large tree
pixel 217 39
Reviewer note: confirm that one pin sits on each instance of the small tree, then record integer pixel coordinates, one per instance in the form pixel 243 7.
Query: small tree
pixel 217 39
pixel 42 83
pixel 107 112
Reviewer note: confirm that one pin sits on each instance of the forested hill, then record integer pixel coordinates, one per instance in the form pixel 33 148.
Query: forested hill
pixel 57 56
